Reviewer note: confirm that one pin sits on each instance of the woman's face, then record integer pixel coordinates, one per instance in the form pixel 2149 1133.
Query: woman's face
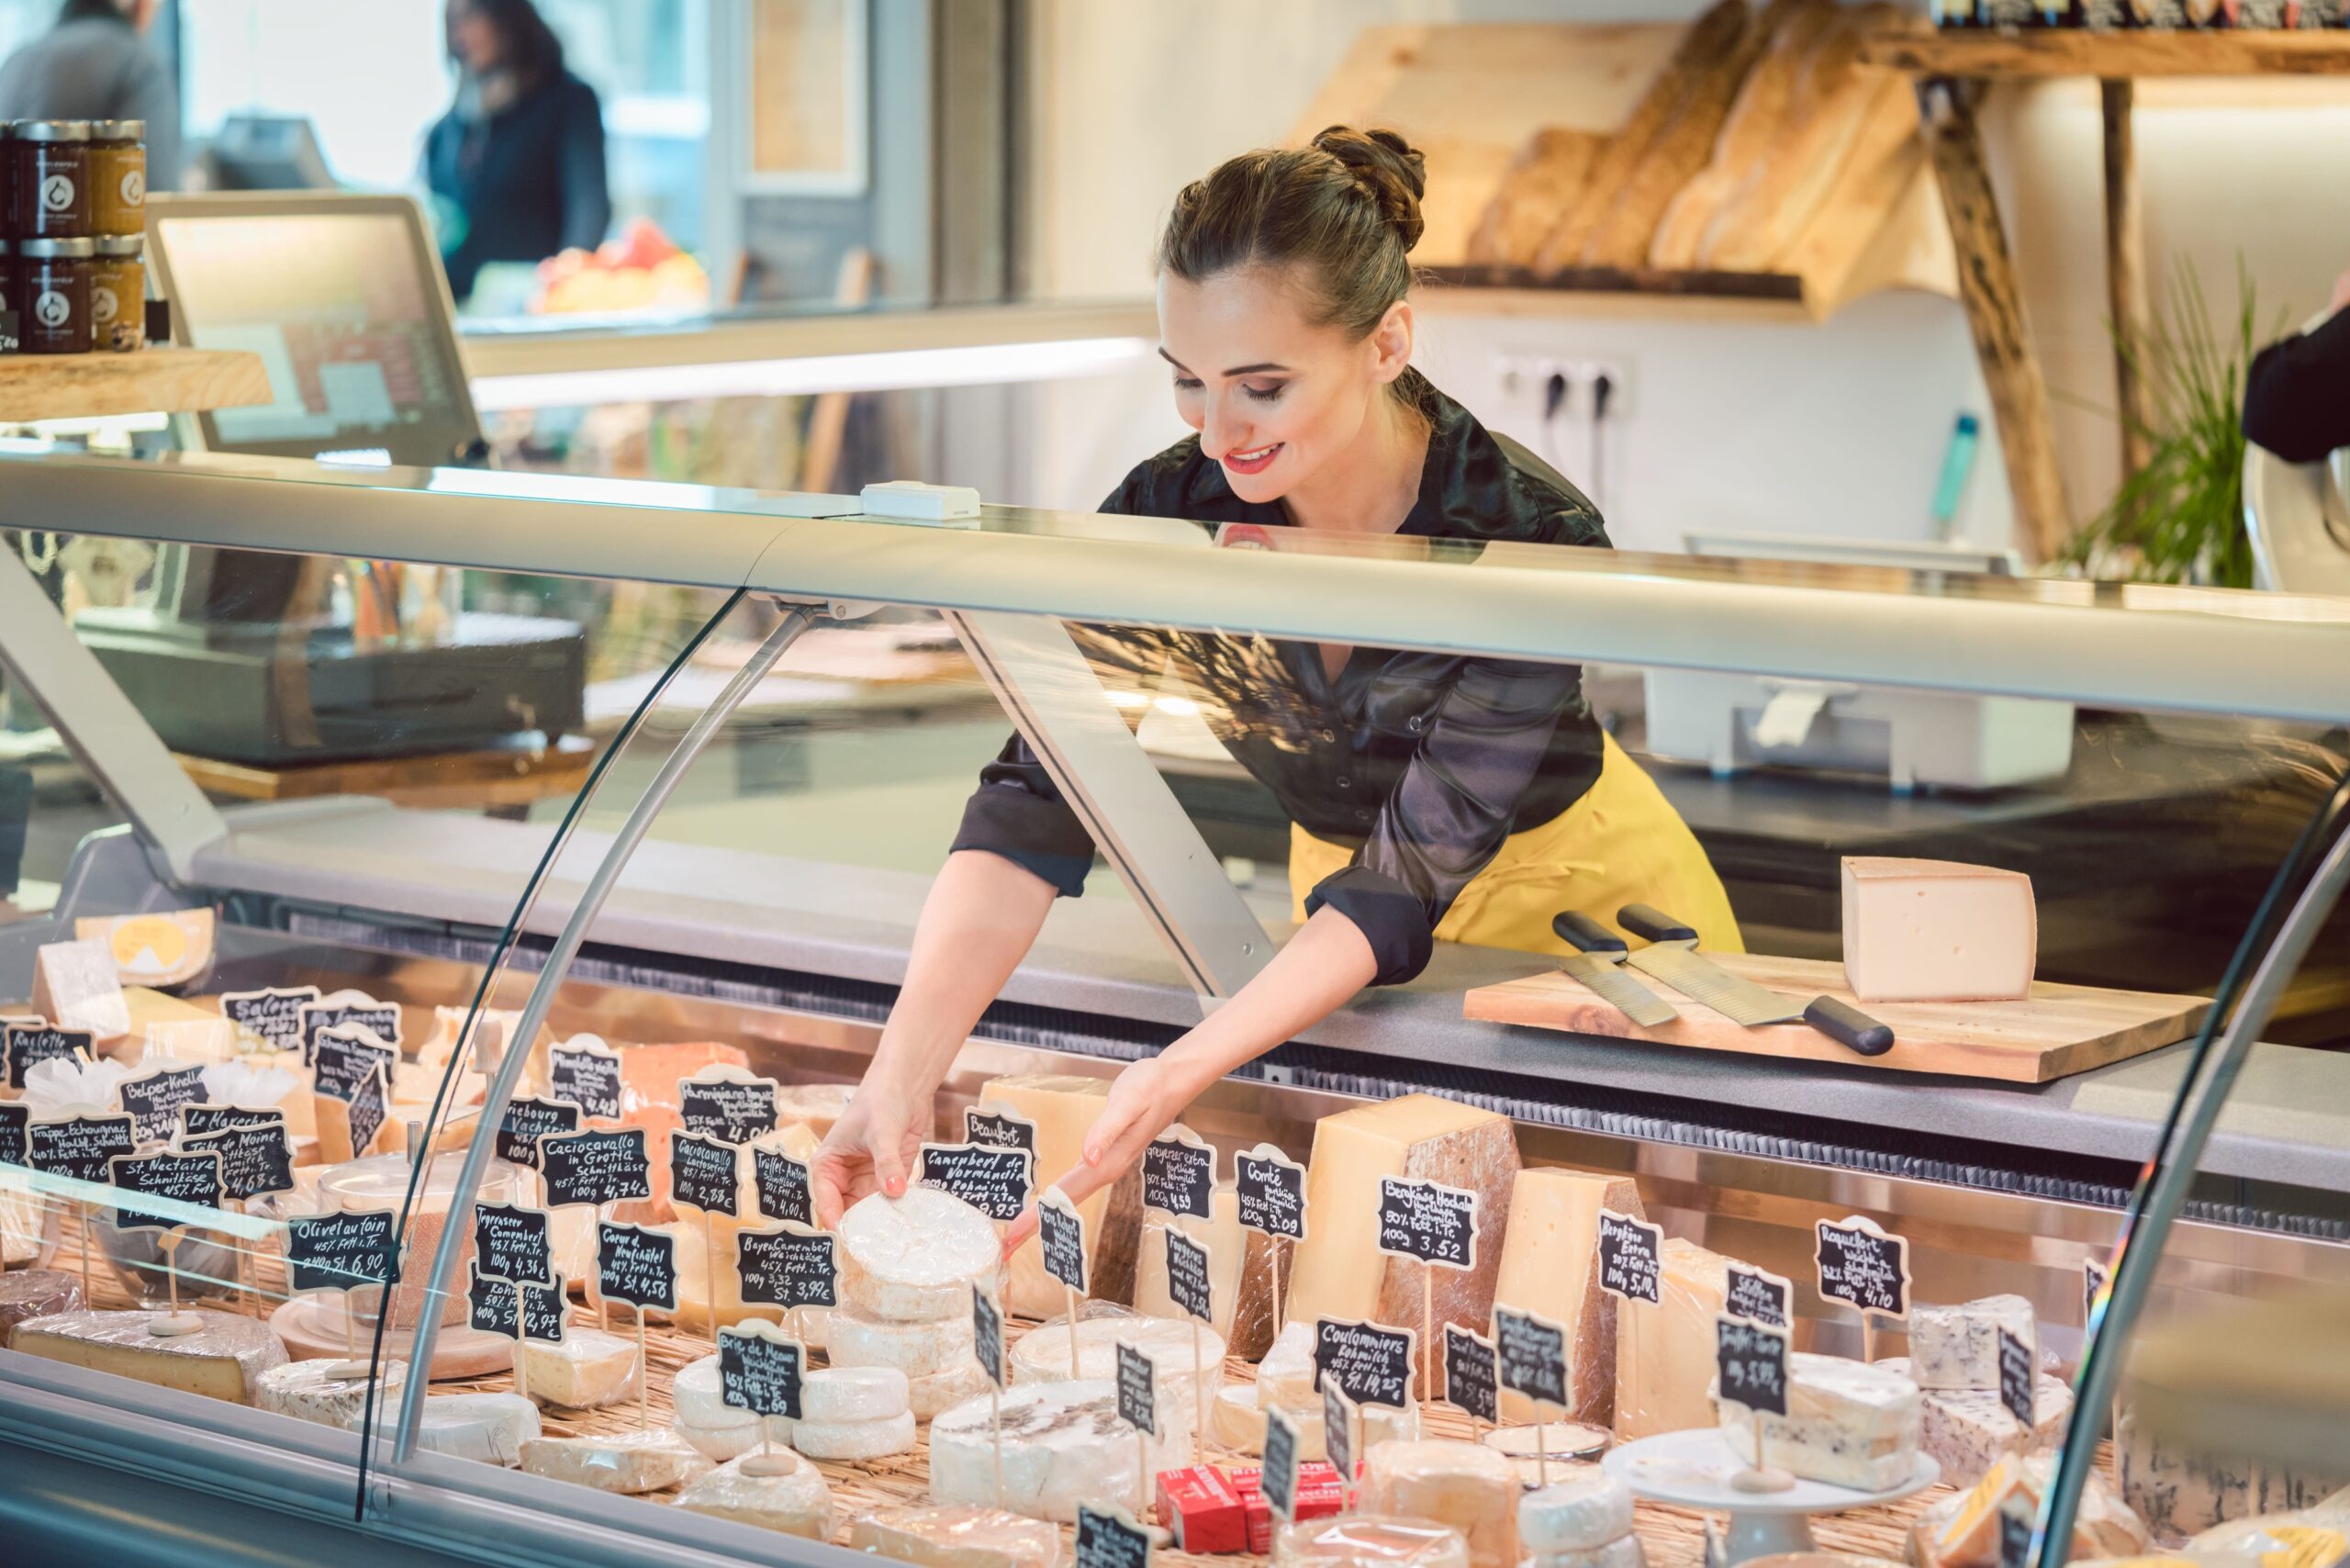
pixel 473 38
pixel 1273 396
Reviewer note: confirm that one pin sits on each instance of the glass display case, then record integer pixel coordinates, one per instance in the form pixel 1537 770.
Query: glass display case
pixel 446 992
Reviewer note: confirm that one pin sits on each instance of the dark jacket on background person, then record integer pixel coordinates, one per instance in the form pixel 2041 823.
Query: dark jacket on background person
pixel 97 68
pixel 524 182
pixel 2297 394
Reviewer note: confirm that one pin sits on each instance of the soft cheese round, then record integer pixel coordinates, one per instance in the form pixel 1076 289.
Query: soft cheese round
pixel 330 1393
pixel 488 1427
pixel 1063 1444
pixel 628 1463
pixel 723 1443
pixel 1043 1353
pixel 852 1393
pixel 917 1350
pixel 915 1259
pixel 854 1440
pixel 794 1499
pixel 1576 1515
pixel 926 1396
pixel 699 1399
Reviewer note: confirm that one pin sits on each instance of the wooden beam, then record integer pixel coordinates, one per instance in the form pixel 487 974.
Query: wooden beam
pixel 2125 270
pixel 1986 288
pixel 2078 52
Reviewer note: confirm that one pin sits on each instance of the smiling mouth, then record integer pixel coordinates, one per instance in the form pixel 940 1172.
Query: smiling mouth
pixel 1251 462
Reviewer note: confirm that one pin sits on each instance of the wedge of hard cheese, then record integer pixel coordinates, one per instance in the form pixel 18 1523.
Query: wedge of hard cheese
pixel 1240 1268
pixel 223 1359
pixel 1937 931
pixel 1547 1266
pixel 1064 1106
pixel 1664 1354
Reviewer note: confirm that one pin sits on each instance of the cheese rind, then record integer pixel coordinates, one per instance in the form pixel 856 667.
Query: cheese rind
pixel 1937 931
pixel 74 987
pixel 327 1392
pixel 798 1502
pixel 1624 1552
pixel 917 1350
pixel 1958 1347
pixel 915 1259
pixel 1237 1421
pixel 1369 1541
pixel 35 1293
pixel 1966 1430
pixel 1064 1107
pixel 1240 1271
pixel 1847 1423
pixel 488 1427
pixel 927 1396
pixel 1465 1486
pixel 1043 1356
pixel 956 1536
pixel 590 1368
pixel 223 1359
pixel 1549 1265
pixel 1961 1530
pixel 1664 1354
pixel 1579 1514
pixel 1063 1444
pixel 853 1393
pixel 854 1440
pixel 627 1463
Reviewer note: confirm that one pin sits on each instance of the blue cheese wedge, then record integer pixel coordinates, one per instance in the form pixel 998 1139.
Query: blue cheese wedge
pixel 1847 1423
pixel 1958 1347
pixel 1967 1429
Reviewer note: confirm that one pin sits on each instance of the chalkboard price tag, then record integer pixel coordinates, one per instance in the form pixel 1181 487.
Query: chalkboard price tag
pixel 788 1266
pixel 1187 1276
pixel 2018 1376
pixel 595 1168
pixel 201 1120
pixel 529 1119
pixel 1339 1429
pixel 1533 1353
pixel 2016 1522
pixel 513 1243
pixel 999 1127
pixel 1138 1389
pixel 16 1137
pixel 256 1162
pixel 491 1304
pixel 1108 1538
pixel 181 1178
pixel 731 1109
pixel 272 1017
pixel 703 1174
pixel 1271 1188
pixel 2095 1279
pixel 343 1058
pixel 342 1251
pixel 760 1369
pixel 370 1106
pixel 780 1184
pixel 996 1181
pixel 1632 1257
pixel 29 1043
pixel 1178 1174
pixel 379 1021
pixel 1760 1297
pixel 1427 1220
pixel 1471 1369
pixel 1060 1234
pixel 636 1265
pixel 1371 1362
pixel 1280 1475
pixel 79 1146
pixel 585 1072
pixel 1862 1265
pixel 1751 1363
pixel 153 1100
pixel 987 1335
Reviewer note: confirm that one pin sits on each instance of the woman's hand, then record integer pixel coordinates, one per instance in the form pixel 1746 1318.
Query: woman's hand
pixel 869 1149
pixel 1143 1101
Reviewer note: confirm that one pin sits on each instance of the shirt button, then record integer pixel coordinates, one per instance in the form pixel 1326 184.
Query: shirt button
pixel 1345 783
pixel 1362 816
pixel 1326 736
pixel 1416 723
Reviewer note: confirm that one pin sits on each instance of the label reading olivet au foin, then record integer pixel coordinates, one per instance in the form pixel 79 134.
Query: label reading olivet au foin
pixel 1632 1257
pixel 1470 1372
pixel 996 1181
pixel 1179 1175
pixel 788 1266
pixel 342 1251
pixel 1371 1363
pixel 1427 1220
pixel 595 1168
pixel 636 1265
pixel 1864 1266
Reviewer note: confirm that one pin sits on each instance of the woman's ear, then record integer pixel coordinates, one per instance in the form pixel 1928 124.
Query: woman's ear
pixel 1391 342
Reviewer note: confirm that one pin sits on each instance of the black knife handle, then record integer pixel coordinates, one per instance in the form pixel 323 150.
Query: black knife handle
pixel 1653 923
pixel 1585 934
pixel 1848 1025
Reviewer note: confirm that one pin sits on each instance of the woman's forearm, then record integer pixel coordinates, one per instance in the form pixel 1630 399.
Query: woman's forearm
pixel 980 918
pixel 1313 976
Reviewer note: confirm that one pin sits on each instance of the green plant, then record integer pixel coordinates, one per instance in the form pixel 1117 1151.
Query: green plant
pixel 2180 518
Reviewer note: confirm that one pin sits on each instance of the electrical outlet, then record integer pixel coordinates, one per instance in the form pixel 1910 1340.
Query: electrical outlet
pixel 1525 376
pixel 1582 378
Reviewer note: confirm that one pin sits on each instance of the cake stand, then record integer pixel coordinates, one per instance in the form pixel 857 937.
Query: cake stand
pixel 1695 1469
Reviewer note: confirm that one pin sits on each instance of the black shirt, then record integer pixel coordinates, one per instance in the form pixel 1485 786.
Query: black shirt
pixel 1422 762
pixel 525 181
pixel 2297 394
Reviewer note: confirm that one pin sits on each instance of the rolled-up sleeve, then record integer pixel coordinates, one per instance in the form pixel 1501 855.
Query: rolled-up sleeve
pixel 1019 813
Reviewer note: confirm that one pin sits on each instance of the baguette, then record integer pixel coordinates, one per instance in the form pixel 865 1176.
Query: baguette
pixel 1871 179
pixel 1709 39
pixel 1543 180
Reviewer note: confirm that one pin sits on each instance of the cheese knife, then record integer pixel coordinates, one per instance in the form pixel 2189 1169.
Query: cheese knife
pixel 1672 956
pixel 1596 962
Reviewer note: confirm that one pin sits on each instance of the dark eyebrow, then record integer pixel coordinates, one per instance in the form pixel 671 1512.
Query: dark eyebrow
pixel 1235 370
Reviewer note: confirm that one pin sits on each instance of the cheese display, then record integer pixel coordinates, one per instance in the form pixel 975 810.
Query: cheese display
pixel 917 1350
pixel 332 1394
pixel 164 948
pixel 1064 1107
pixel 1340 1271
pixel 2180 1491
pixel 74 986
pixel 1063 1444
pixel 1584 1511
pixel 944 1390
pixel 649 1075
pixel 589 1369
pixel 624 1462
pixel 1369 1541
pixel 1847 1423
pixel 1042 1355
pixel 956 1536
pixel 1237 1421
pixel 779 1490
pixel 1664 1354
pixel 1465 1486
pixel 1937 931
pixel 1624 1552
pixel 719 1430
pixel 695 1277
pixel 815 1106
pixel 35 1293
pixel 224 1358
pixel 915 1259
pixel 489 1429
pixel 1967 1429
pixel 1961 1530
pixel 1240 1272
pixel 1958 1347
pixel 854 1440
pixel 1547 1266
pixel 852 1393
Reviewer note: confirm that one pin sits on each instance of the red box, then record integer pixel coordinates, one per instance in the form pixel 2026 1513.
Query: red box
pixel 1201 1509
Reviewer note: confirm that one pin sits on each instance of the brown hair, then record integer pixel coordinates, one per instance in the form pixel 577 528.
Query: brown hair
pixel 1346 210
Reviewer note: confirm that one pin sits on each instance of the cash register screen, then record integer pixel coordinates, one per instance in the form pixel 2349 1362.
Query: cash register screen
pixel 352 326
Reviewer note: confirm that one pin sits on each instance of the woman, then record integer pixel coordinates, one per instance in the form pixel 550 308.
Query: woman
pixel 1433 797
pixel 516 167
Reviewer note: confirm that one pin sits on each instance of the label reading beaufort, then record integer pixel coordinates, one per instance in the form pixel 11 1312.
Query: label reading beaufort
pixel 998 1127
pixel 1427 1220
pixel 370 1107
pixel 586 1073
pixel 1632 1257
pixel 731 1110
pixel 1760 1297
pixel 15 1139
pixel 1371 1363
pixel 153 1100
pixel 1471 1371
pixel 1179 1175
pixel 1339 1429
pixel 256 1160
pixel 27 1044
pixel 343 1058
pixel 760 1369
pixel 2018 1376
pixel 1060 1238
pixel 180 1178
pixel 1138 1389
pixel 342 1251
pixel 1187 1276
pixel 1279 1477
pixel 595 1168
pixel 1533 1353
pixel 788 1266
pixel 996 1181
pixel 491 1306
pixel 513 1243
pixel 78 1147
pixel 529 1119
pixel 702 1174
pixel 1271 1188
pixel 987 1335
pixel 1751 1363
pixel 1108 1538
pixel 780 1184
pixel 636 1265
pixel 272 1017
pixel 1862 1265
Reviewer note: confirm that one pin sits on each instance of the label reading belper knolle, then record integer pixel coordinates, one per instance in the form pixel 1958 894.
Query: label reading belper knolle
pixel 1759 1296
pixel 153 1100
pixel 1470 1372
pixel 1533 1353
pixel 636 1264
pixel 1864 1266
pixel 1371 1363
pixel 1270 1190
pixel 703 1174
pixel 256 1160
pixel 1179 1176
pixel 1632 1257
pixel 595 1168
pixel 788 1266
pixel 1750 1364
pixel 996 1181
pixel 1427 1220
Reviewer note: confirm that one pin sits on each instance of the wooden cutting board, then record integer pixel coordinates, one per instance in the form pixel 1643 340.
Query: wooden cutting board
pixel 2063 1029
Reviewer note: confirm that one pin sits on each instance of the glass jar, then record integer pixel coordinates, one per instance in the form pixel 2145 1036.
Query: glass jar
pixel 7 183
pixel 53 296
pixel 51 160
pixel 9 282
pixel 380 1182
pixel 118 176
pixel 119 293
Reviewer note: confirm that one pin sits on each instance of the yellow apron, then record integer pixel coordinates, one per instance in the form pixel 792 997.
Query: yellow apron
pixel 1622 842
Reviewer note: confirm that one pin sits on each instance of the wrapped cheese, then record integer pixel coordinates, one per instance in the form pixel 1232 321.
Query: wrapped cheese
pixel 956 1536
pixel 1369 1541
pixel 778 1491
pixel 590 1368
pixel 1237 1421
pixel 1465 1486
pixel 164 948
pixel 35 1293
pixel 1063 1107
pixel 1042 1355
pixel 489 1429
pixel 74 986
pixel 224 1358
pixel 915 1259
pixel 1664 1354
pixel 332 1394
pixel 628 1463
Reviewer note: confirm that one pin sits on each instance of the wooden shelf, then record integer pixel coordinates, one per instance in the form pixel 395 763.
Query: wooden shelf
pixel 87 386
pixel 2062 52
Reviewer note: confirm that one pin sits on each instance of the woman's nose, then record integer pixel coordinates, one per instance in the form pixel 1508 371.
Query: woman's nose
pixel 1221 432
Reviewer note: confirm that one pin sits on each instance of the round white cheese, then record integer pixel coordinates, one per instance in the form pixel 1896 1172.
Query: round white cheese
pixel 1466 1486
pixel 1577 1515
pixel 853 1393
pixel 915 1259
pixel 1624 1552
pixel 330 1393
pixel 723 1443
pixel 1063 1444
pixel 854 1440
pixel 917 1350
pixel 926 1396
pixel 700 1401
pixel 488 1427
pixel 1043 1355
pixel 781 1492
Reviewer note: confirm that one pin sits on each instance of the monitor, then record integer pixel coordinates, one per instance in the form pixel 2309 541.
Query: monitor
pixel 267 152
pixel 343 297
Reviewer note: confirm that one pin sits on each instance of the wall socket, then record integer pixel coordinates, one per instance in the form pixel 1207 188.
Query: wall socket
pixel 1524 378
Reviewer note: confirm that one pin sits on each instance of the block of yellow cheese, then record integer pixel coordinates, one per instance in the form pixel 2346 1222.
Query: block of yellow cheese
pixel 1340 1271
pixel 154 949
pixel 1664 1354
pixel 1961 1530
pixel 1549 1265
pixel 224 1358
pixel 1064 1106
pixel 1240 1271
pixel 1937 931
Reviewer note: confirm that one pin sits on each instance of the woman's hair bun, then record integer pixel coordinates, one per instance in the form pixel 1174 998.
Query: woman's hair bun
pixel 1387 166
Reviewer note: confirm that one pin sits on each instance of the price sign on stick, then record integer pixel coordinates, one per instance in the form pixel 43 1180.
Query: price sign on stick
pixel 153 1100
pixel 2016 1526
pixel 996 1181
pixel 1632 1257
pixel 492 1304
pixel 1280 1475
pixel 371 1106
pixel 1532 1351
pixel 1472 1372
pixel 760 1369
pixel 1108 1538
pixel 702 1174
pixel 640 1267
pixel 2018 1376
pixel 202 1121
pixel 1863 1265
pixel 781 1186
pixel 342 1059
pixel 1178 1174
pixel 1760 1297
pixel 715 1105
pixel 999 1127
pixel 1138 1382
pixel 342 1251
pixel 371 1020
pixel 28 1043
pixel 79 1146
pixel 189 1180
pixel 585 1072
pixel 270 1016
pixel 790 1266
pixel 1270 1190
pixel 595 1168
pixel 1338 1431
pixel 1194 1293
pixel 15 1134
pixel 1372 1364
pixel 1436 1225
pixel 987 1348
pixel 1060 1235
pixel 256 1162
pixel 513 1243
pixel 1751 1368
pixel 529 1119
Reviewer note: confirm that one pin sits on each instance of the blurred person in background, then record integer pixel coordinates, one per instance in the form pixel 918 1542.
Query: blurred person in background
pixel 516 167
pixel 2297 394
pixel 96 63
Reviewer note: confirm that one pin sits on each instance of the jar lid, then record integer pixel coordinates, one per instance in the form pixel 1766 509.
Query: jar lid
pixel 127 245
pixel 52 130
pixel 44 250
pixel 118 130
pixel 5 249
